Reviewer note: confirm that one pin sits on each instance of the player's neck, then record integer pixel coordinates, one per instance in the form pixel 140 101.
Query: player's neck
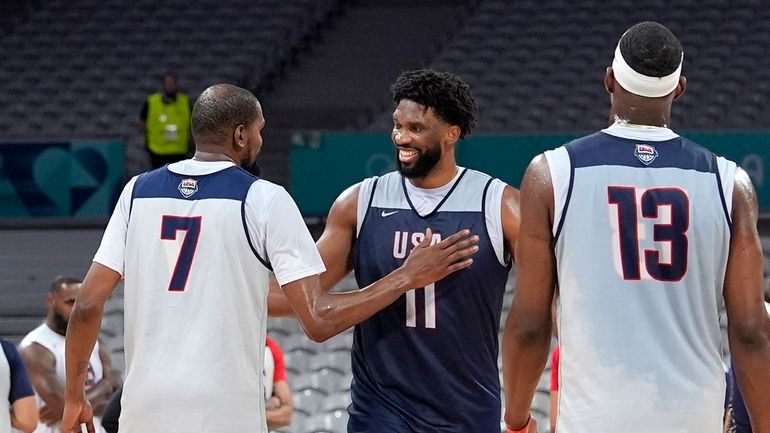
pixel 640 119
pixel 441 175
pixel 641 111
pixel 55 327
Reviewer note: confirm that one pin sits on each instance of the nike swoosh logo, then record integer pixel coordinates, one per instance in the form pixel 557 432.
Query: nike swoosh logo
pixel 387 214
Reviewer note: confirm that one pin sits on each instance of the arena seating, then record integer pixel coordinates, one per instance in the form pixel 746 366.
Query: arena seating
pixel 82 68
pixel 538 66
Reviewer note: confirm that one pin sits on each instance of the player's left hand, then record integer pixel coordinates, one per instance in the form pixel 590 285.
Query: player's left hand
pixel 77 413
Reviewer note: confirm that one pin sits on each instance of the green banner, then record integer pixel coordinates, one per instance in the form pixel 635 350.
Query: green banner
pixel 71 179
pixel 323 165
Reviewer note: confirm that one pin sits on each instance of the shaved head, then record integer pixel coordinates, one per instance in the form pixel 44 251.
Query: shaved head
pixel 220 109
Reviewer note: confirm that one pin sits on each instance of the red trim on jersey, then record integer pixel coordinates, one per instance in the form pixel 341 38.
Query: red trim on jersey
pixel 279 373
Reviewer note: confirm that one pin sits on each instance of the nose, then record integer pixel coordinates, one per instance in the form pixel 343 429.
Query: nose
pixel 401 137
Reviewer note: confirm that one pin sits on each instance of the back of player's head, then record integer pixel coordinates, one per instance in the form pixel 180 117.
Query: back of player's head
pixel 448 96
pixel 63 280
pixel 221 108
pixel 651 49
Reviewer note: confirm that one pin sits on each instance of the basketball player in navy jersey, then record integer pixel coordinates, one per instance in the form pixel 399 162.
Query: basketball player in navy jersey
pixel 645 233
pixel 427 362
pixel 197 242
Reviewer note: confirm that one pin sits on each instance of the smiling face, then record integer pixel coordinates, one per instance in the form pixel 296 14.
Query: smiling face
pixel 417 134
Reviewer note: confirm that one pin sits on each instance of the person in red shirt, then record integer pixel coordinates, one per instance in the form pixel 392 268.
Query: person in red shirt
pixel 279 408
pixel 554 388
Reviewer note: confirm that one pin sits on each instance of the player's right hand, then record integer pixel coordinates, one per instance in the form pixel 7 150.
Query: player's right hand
pixel 77 413
pixel 428 263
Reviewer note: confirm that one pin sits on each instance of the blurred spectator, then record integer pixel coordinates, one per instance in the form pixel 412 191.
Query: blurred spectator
pixel 165 120
pixel 19 410
pixel 43 353
pixel 278 407
pixel 554 388
pixel 554 412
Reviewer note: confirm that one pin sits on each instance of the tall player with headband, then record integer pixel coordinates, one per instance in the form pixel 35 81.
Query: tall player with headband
pixel 670 229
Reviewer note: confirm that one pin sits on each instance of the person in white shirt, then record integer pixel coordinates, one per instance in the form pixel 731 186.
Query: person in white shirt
pixel 43 352
pixel 196 243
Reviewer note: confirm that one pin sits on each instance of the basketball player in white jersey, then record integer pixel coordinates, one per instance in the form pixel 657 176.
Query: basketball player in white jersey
pixel 645 234
pixel 196 243
pixel 43 353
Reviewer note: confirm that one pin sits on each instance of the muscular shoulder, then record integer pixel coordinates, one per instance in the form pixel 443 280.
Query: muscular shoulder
pixel 745 205
pixel 344 209
pixel 36 355
pixel 743 193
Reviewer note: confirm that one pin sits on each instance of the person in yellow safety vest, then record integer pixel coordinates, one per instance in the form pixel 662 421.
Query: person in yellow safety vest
pixel 165 120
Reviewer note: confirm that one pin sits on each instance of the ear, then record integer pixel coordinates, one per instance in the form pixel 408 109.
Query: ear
pixel 609 80
pixel 50 301
pixel 238 137
pixel 452 134
pixel 680 88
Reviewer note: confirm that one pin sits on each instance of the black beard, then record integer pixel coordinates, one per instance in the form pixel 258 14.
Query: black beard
pixel 59 322
pixel 253 168
pixel 423 166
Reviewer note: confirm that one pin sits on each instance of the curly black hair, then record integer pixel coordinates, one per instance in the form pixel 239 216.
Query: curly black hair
pixel 651 49
pixel 448 95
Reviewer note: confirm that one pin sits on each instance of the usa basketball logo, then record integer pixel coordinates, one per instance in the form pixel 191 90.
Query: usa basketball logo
pixel 188 187
pixel 645 153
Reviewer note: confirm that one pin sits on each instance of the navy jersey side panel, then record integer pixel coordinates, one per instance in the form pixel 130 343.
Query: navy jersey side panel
pixel 428 362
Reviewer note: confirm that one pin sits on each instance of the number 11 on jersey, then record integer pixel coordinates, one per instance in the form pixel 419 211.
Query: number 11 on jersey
pixel 430 307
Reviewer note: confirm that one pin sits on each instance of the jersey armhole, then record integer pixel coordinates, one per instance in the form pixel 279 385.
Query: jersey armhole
pixel 562 169
pixel 264 262
pixel 362 208
pixel 725 177
pixel 491 199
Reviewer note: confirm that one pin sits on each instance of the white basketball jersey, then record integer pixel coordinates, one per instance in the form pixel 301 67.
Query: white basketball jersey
pixel 642 229
pixel 196 281
pixel 54 343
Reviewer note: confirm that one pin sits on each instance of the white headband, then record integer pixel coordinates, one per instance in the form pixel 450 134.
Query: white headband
pixel 642 85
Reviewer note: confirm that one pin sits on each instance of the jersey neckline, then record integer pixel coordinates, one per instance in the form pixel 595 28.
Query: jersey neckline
pixel 645 134
pixel 440 203
pixel 191 167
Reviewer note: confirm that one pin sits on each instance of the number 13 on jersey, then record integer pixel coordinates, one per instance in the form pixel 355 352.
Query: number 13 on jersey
pixel 671 232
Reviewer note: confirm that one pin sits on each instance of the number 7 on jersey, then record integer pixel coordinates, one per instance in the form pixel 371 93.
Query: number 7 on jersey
pixel 192 228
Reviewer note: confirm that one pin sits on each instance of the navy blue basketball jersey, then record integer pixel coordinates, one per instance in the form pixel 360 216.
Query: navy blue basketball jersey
pixel 428 362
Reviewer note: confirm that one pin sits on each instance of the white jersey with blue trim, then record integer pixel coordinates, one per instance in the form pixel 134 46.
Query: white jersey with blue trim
pixel 54 343
pixel 642 228
pixel 196 243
